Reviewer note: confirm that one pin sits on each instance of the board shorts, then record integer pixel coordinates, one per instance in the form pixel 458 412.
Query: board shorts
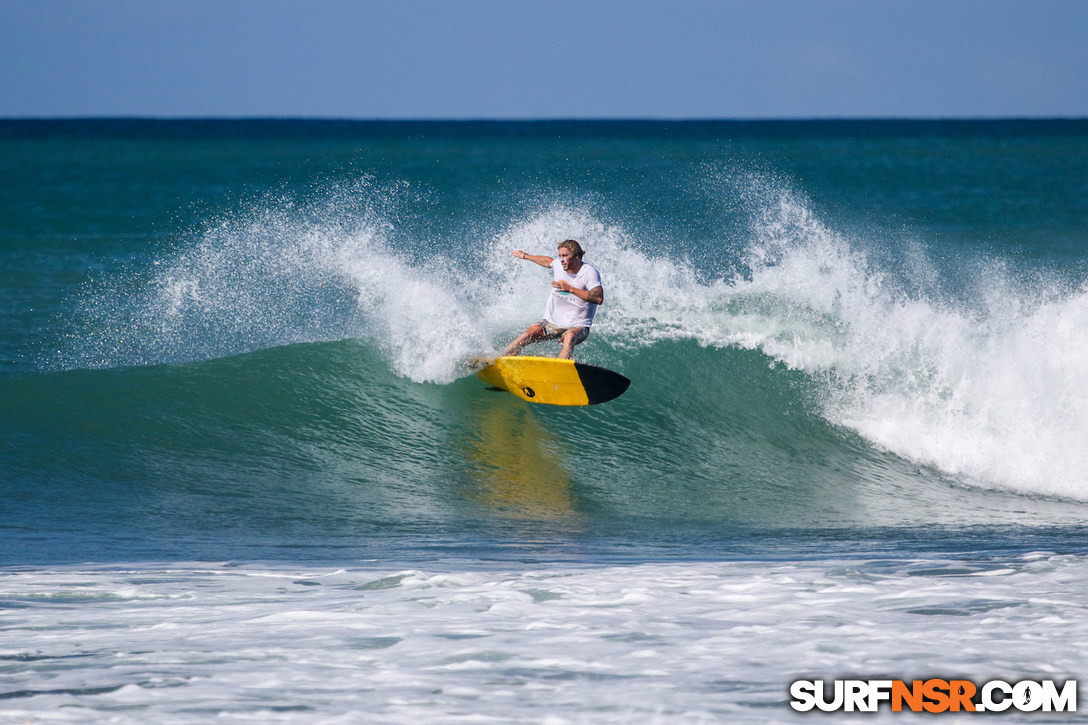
pixel 554 332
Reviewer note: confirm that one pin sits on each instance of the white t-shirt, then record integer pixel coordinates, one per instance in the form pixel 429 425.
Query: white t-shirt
pixel 566 310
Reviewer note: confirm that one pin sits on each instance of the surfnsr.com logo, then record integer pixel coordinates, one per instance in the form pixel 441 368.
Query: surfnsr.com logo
pixel 934 695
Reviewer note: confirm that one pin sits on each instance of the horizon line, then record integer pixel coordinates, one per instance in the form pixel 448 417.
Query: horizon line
pixel 541 119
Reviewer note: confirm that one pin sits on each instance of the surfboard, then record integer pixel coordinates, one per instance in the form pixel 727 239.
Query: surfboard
pixel 552 381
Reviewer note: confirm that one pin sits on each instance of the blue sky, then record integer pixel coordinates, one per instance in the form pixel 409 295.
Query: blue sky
pixel 537 59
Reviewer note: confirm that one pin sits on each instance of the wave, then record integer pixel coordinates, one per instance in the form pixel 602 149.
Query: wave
pixel 983 384
pixel 987 387
pixel 323 442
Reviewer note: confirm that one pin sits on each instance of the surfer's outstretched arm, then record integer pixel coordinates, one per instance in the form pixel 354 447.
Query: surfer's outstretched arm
pixel 542 260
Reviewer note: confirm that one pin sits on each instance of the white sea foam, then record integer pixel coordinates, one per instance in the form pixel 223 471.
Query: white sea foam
pixel 993 388
pixel 668 642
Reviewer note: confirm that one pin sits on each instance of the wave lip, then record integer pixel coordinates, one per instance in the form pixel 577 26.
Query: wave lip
pixel 989 387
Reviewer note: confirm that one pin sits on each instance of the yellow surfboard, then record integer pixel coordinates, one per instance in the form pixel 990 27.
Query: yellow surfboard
pixel 552 381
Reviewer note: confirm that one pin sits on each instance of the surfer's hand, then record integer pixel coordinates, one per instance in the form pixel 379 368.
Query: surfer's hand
pixel 562 286
pixel 520 254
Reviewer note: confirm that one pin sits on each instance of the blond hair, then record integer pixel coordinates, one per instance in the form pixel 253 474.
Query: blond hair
pixel 573 247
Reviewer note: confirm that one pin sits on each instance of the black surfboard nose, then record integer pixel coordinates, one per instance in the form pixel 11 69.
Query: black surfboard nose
pixel 601 385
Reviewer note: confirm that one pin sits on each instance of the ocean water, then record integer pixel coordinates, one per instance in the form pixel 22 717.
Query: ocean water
pixel 246 474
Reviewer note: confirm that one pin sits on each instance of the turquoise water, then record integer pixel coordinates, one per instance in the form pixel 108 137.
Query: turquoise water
pixel 235 349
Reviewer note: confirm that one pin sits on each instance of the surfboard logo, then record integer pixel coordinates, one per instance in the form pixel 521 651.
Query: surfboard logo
pixel 529 392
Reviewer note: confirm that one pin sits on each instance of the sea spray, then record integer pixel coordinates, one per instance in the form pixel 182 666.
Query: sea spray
pixel 278 272
pixel 985 385
pixel 991 390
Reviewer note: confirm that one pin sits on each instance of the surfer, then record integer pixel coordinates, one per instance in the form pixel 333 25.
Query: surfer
pixel 576 294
